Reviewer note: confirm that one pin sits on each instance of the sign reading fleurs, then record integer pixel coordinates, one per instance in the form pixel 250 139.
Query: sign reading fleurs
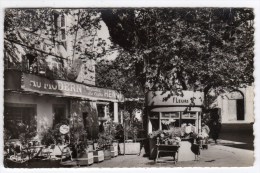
pixel 161 98
pixel 43 85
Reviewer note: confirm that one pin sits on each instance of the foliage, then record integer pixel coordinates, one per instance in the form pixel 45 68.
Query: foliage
pixel 106 138
pixel 132 128
pixel 117 75
pixel 167 136
pixel 37 32
pixel 78 135
pixel 185 48
pixel 24 131
pixel 53 135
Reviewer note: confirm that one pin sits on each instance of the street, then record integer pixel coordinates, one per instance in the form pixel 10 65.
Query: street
pixel 216 156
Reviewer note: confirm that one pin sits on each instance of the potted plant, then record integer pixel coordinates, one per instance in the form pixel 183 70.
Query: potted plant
pixel 131 131
pixel 78 145
pixel 106 140
pixel 19 137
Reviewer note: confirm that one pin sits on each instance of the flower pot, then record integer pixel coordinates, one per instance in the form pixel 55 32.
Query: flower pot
pixel 130 148
pixel 84 159
pixel 98 156
pixel 114 150
pixel 107 154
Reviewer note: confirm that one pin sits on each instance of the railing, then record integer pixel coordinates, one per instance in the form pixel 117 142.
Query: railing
pixel 40 70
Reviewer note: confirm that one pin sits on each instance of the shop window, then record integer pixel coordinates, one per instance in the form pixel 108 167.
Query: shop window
pixel 189 115
pixel 101 110
pixel 18 114
pixel 168 124
pixel 88 124
pixel 155 124
pixel 59 112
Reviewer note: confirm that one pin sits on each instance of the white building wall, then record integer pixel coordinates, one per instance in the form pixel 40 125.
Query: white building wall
pixel 249 103
pixel 229 110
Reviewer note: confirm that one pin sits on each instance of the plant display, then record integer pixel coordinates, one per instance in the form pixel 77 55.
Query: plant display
pixel 106 138
pixel 53 136
pixel 168 137
pixel 78 135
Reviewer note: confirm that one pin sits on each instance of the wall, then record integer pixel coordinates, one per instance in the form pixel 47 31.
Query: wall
pixel 44 106
pixel 228 107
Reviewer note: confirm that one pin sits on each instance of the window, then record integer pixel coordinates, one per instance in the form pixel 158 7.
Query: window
pixel 63 34
pixel 237 97
pixel 101 110
pixel 19 113
pixel 59 112
pixel 62 21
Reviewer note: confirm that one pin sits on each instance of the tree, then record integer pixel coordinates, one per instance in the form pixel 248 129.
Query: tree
pixel 119 75
pixel 40 33
pixel 186 48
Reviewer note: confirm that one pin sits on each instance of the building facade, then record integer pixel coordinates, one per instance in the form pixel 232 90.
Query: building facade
pixel 48 77
pixel 236 107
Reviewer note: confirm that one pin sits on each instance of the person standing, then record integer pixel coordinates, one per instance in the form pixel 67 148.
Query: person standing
pixel 205 130
pixel 216 126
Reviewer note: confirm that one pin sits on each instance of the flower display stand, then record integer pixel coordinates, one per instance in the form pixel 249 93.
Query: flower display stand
pixel 98 156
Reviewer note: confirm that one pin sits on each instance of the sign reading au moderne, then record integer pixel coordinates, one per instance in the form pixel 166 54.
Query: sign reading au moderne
pixel 64 88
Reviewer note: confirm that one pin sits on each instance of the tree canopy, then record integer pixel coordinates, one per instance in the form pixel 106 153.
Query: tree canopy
pixel 186 48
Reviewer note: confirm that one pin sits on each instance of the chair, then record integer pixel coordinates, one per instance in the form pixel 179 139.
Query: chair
pixel 47 151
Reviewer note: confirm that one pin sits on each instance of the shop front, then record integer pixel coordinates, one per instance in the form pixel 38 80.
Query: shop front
pixel 171 118
pixel 168 110
pixel 29 98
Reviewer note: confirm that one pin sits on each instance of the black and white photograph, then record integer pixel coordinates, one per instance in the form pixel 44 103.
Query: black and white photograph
pixel 139 87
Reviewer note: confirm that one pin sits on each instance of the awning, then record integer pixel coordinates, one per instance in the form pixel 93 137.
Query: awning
pixel 176 109
pixel 19 81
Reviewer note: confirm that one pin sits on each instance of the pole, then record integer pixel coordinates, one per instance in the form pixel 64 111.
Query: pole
pixel 124 127
pixel 124 136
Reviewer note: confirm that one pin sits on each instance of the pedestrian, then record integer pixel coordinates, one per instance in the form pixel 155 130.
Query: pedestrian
pixel 216 126
pixel 205 131
pixel 101 127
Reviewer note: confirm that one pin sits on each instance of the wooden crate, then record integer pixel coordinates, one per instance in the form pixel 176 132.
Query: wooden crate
pixel 114 151
pixel 85 159
pixel 130 148
pixel 98 156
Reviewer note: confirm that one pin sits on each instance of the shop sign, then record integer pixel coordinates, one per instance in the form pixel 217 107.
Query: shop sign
pixel 161 98
pixel 43 85
pixel 64 129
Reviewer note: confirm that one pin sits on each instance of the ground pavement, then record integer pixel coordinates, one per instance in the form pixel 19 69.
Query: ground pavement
pixel 216 156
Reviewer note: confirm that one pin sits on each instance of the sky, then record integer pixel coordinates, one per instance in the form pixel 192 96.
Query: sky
pixel 104 34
